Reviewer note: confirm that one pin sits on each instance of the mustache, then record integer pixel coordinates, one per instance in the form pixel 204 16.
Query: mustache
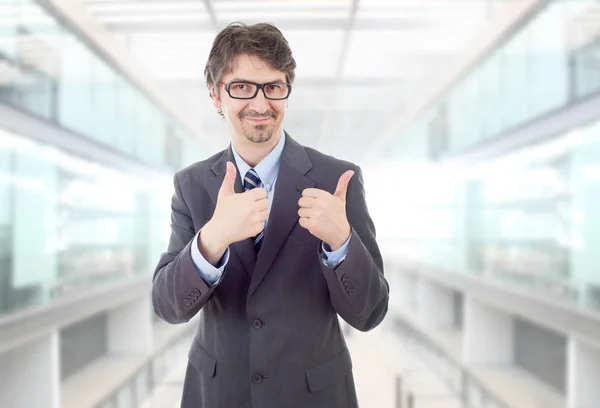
pixel 254 114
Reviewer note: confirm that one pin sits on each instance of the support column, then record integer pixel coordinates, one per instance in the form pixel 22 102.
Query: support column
pixel 30 374
pixel 583 374
pixel 435 305
pixel 487 335
pixel 130 328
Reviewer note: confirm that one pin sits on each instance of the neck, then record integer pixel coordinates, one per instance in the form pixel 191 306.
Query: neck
pixel 254 153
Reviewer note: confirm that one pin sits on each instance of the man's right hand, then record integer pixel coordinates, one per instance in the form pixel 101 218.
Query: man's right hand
pixel 236 217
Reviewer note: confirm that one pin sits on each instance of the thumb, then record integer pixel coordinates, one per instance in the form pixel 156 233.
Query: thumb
pixel 229 180
pixel 342 186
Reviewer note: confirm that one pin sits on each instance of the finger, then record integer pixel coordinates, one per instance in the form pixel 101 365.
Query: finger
pixel 261 217
pixel 257 193
pixel 342 186
pixel 307 202
pixel 261 205
pixel 305 223
pixel 305 212
pixel 314 193
pixel 227 187
pixel 264 215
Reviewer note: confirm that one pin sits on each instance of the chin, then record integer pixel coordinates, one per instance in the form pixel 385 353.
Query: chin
pixel 259 134
pixel 258 137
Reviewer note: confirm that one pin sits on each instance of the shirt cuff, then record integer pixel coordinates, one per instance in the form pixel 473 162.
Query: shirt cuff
pixel 208 272
pixel 333 259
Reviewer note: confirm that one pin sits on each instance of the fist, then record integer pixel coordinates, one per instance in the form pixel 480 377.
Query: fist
pixel 238 216
pixel 324 214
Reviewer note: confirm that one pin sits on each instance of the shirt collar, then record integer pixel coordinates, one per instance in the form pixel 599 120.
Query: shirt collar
pixel 268 168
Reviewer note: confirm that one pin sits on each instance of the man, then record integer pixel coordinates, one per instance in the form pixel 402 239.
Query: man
pixel 271 240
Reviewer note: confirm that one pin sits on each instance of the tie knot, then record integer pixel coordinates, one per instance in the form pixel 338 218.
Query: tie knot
pixel 251 180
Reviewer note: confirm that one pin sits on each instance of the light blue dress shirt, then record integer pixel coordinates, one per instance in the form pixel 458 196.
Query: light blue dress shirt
pixel 267 171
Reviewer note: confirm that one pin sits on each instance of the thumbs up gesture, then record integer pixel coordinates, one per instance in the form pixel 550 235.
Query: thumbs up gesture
pixel 236 216
pixel 324 214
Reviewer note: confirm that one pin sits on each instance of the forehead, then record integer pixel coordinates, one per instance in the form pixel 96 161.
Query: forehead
pixel 254 69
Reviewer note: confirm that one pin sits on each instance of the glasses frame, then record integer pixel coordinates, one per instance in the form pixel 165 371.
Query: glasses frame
pixel 258 87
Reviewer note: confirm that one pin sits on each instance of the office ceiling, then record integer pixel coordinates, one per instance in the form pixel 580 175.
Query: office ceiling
pixel 359 62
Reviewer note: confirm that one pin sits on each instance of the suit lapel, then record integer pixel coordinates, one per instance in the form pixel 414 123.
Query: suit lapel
pixel 244 249
pixel 294 164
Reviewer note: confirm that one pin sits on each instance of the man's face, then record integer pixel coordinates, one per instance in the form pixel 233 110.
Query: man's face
pixel 252 120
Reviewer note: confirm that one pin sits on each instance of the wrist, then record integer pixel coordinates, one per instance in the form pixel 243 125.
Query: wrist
pixel 210 240
pixel 341 240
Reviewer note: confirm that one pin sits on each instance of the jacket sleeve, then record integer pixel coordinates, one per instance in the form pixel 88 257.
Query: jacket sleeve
pixel 178 291
pixel 358 289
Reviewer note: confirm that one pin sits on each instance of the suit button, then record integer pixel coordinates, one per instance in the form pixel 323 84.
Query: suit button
pixel 352 292
pixel 187 302
pixel 345 278
pixel 257 323
pixel 257 378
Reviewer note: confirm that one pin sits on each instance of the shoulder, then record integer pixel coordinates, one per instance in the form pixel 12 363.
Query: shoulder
pixel 322 161
pixel 327 169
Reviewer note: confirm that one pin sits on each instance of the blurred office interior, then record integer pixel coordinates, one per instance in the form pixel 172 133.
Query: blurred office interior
pixel 476 124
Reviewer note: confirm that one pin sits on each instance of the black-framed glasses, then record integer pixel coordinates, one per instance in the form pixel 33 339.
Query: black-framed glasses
pixel 275 91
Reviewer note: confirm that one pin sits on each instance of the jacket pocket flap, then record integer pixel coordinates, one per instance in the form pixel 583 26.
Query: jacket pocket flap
pixel 329 372
pixel 203 361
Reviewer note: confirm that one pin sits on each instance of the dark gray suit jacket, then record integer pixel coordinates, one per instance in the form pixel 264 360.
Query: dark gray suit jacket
pixel 269 335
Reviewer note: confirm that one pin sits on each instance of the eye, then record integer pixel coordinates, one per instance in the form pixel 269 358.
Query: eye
pixel 240 87
pixel 274 87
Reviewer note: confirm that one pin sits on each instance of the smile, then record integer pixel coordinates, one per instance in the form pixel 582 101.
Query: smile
pixel 258 120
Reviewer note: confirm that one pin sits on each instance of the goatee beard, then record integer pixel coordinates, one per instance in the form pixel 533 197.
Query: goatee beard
pixel 260 134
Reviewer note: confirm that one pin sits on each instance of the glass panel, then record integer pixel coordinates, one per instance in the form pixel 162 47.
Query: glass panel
pixel 125 398
pixel 553 59
pixel 61 228
pixel 36 56
pixel 75 100
pixel 583 40
pixel 549 79
pixel 48 70
pixel 517 95
pixel 125 97
pixel 104 102
pixel 458 117
pixel 529 219
pixel 9 10
pixel 490 96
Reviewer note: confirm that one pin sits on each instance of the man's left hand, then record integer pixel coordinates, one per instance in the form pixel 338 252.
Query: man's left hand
pixel 324 214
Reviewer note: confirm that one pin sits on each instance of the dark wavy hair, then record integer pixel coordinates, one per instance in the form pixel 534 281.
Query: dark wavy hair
pixel 262 40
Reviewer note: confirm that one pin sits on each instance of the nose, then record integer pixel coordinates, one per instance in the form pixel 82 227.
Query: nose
pixel 259 103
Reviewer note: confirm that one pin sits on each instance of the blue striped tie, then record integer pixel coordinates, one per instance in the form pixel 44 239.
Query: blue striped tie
pixel 251 180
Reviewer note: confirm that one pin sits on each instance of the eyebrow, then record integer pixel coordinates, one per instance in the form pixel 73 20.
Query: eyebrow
pixel 236 79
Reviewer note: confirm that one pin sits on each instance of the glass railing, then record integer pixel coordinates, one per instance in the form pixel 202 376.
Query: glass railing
pixel 68 224
pixel 46 69
pixel 140 386
pixel 467 389
pixel 529 219
pixel 548 63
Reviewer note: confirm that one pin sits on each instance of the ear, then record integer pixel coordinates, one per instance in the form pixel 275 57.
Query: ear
pixel 215 98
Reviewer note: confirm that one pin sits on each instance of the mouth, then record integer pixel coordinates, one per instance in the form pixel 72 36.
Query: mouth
pixel 258 120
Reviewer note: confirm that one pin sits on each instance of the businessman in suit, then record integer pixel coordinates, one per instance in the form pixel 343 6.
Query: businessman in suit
pixel 271 241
